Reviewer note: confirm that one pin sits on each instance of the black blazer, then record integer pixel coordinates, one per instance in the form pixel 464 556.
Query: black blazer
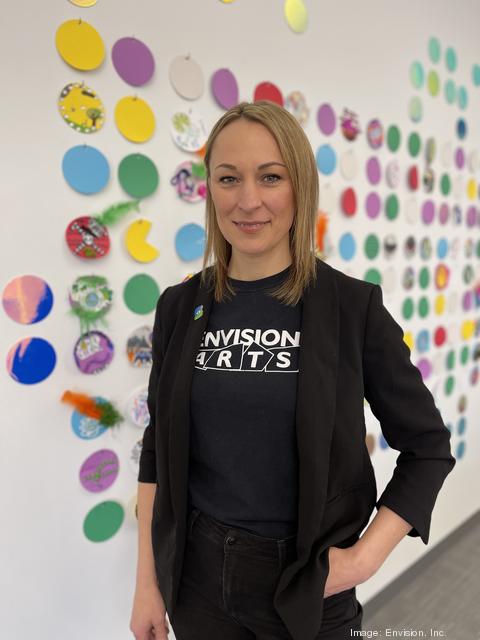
pixel 351 348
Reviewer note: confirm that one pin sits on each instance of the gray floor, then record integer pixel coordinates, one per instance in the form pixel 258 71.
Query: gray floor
pixel 440 595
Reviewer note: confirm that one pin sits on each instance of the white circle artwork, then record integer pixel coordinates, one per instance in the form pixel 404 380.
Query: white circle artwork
pixel 137 408
pixel 348 165
pixel 411 210
pixel 473 161
pixel 393 174
pixel 447 154
pixel 188 130
pixel 458 187
pixel 327 199
pixel 186 77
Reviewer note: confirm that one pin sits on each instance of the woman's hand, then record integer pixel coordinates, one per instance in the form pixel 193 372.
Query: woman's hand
pixel 148 621
pixel 346 570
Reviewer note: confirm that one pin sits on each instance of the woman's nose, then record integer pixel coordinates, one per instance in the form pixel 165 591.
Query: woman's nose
pixel 249 195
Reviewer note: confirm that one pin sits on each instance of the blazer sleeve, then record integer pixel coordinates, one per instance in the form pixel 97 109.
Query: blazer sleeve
pixel 409 419
pixel 147 467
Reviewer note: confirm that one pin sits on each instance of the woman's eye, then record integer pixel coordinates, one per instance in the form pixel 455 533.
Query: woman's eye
pixel 273 175
pixel 226 178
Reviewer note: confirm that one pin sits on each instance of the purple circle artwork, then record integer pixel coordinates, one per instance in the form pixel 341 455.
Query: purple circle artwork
pixel 99 471
pixel 224 88
pixel 373 170
pixel 326 119
pixel 133 61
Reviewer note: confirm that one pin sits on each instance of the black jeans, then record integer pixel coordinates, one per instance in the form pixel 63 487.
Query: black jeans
pixel 228 580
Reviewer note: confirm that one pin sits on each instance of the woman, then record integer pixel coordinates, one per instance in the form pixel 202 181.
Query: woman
pixel 255 482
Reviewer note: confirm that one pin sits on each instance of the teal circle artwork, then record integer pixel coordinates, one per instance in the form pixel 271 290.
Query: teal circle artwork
pixel 462 425
pixel 190 241
pixel 434 49
pixel 424 277
pixel 347 246
pixel 451 59
pixel 476 75
pixel 103 521
pixel 464 355
pixel 373 275
pixel 460 450
pixel 414 144
pixel 423 307
pixel 407 308
pixel 462 98
pixel 417 75
pixel 450 91
pixel 393 138
pixel 445 184
pixel 141 293
pixel 326 159
pixel 372 246
pixel 415 109
pixel 391 206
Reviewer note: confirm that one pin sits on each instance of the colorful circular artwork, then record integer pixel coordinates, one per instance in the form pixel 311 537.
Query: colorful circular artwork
pixel 80 45
pixel 139 347
pixel 85 169
pixel 268 91
pixel 99 471
pixel 326 119
pixel 81 108
pixel 27 299
pixel 31 360
pixel 141 294
pixel 224 88
pixel 190 241
pixel 188 130
pixel 85 427
pixel 87 238
pixel 190 181
pixel 296 15
pixel 133 61
pixel 135 119
pixel 375 133
pixel 296 104
pixel 186 77
pixel 90 298
pixel 136 243
pixel 103 521
pixel 137 408
pixel 93 352
pixel 138 175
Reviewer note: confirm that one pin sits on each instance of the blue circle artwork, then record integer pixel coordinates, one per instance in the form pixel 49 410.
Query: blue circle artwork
pixel 190 241
pixel 31 360
pixel 442 248
pixel 85 427
pixel 347 246
pixel 85 169
pixel 461 128
pixel 460 449
pixel 326 159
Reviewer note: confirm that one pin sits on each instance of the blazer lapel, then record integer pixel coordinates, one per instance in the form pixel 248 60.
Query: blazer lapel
pixel 315 408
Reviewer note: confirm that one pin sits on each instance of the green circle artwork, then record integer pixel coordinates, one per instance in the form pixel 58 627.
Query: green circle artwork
pixel 103 521
pixel 449 385
pixel 372 246
pixel 391 206
pixel 445 184
pixel 141 293
pixel 393 138
pixel 451 59
pixel 450 360
pixel 450 91
pixel 464 354
pixel 433 83
pixel 423 307
pixel 407 308
pixel 414 144
pixel 417 75
pixel 424 277
pixel 138 175
pixel 373 275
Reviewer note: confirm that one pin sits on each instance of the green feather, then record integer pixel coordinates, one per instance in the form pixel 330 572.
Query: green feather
pixel 116 211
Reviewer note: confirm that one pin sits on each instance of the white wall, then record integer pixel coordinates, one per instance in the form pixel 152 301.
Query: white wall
pixel 54 582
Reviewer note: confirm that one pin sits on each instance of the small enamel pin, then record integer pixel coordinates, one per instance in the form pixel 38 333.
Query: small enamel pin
pixel 198 312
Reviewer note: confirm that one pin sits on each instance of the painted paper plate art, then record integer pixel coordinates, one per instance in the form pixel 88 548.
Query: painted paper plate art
pixel 81 108
pixel 139 347
pixel 93 352
pixel 27 299
pixel 137 408
pixel 190 181
pixel 85 427
pixel 31 360
pixel 188 130
pixel 99 471
pixel 136 243
pixel 87 238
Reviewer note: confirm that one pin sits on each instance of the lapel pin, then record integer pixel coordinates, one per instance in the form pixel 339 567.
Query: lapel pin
pixel 198 312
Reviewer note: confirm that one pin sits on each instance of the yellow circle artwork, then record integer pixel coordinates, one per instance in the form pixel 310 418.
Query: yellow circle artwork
pixel 80 45
pixel 471 189
pixel 135 119
pixel 81 108
pixel 135 241
pixel 84 3
pixel 296 15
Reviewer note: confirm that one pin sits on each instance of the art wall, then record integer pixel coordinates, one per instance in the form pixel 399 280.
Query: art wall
pixel 388 94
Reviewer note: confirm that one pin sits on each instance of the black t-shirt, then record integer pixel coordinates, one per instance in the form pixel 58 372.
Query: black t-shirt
pixel 243 449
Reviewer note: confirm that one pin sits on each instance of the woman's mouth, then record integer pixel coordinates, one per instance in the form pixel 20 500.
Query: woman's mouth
pixel 250 226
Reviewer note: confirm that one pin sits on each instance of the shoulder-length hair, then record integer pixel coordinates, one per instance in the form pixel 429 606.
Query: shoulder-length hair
pixel 298 156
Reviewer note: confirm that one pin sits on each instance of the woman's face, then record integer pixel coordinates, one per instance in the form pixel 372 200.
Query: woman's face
pixel 249 183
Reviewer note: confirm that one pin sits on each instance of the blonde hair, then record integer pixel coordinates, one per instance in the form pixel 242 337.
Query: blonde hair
pixel 298 156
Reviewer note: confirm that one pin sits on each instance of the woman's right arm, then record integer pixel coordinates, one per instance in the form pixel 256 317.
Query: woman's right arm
pixel 148 606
